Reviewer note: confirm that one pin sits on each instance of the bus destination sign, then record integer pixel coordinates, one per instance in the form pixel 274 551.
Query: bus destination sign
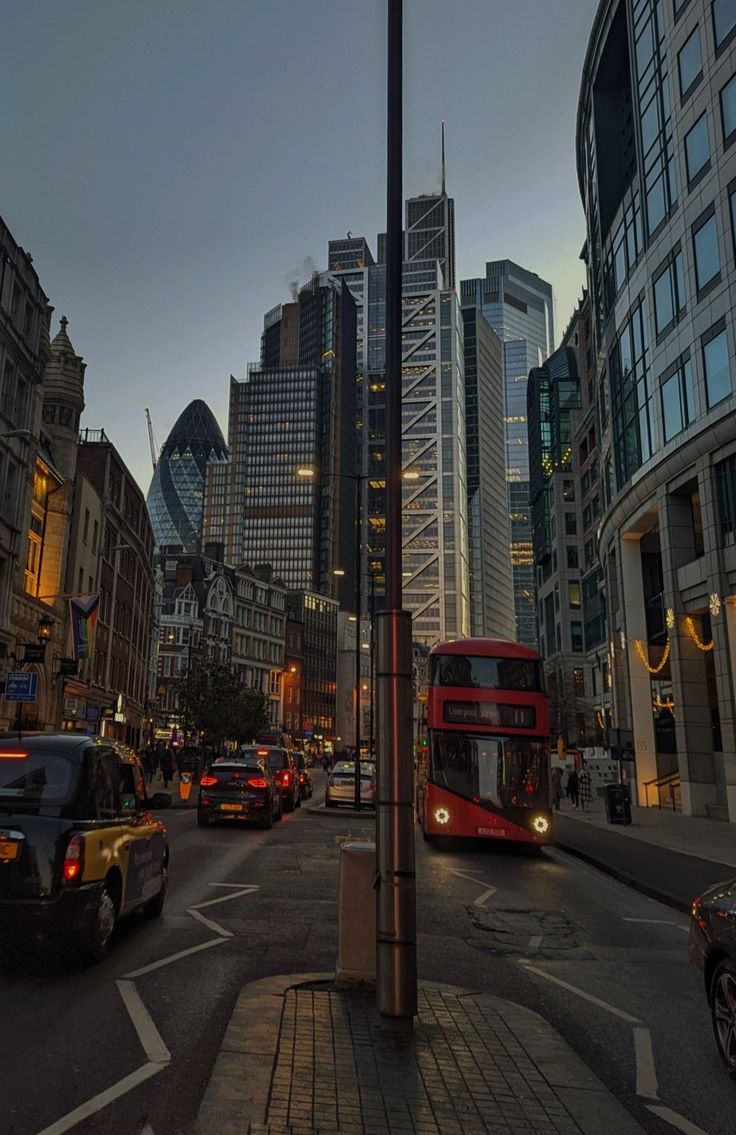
pixel 489 713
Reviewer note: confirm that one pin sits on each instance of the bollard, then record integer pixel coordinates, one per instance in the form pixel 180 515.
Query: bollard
pixel 356 916
pixel 185 785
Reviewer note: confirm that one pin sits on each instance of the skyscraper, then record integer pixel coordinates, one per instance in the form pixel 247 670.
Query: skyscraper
pixel 518 306
pixel 489 533
pixel 298 412
pixel 176 497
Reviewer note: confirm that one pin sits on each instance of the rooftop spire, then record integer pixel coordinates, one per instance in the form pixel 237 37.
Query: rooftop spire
pixel 444 191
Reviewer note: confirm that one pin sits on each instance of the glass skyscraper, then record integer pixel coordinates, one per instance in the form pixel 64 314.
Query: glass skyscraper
pixel 518 305
pixel 176 497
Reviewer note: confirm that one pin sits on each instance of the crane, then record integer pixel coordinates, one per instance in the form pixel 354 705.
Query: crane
pixel 151 438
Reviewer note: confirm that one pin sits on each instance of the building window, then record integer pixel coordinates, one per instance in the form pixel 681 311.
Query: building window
pixel 728 111
pixel 85 530
pixel 716 368
pixel 573 595
pixel 697 149
pixel 576 636
pixel 705 247
pixel 572 556
pixel 568 490
pixel 571 525
pixel 689 63
pixel 669 294
pixel 578 680
pixel 724 20
pixel 628 363
pixel 726 482
pixel 678 400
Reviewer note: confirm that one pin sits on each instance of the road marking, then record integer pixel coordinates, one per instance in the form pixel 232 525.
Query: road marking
pixel 247 890
pixel 535 942
pixel 236 886
pixel 149 1036
pixel 148 1130
pixel 646 1073
pixel 581 993
pixel 674 1120
pixel 464 875
pixel 209 923
pixel 483 899
pixel 660 922
pixel 102 1099
pixel 175 957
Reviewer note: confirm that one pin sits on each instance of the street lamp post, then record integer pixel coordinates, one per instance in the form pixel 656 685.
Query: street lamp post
pixel 113 597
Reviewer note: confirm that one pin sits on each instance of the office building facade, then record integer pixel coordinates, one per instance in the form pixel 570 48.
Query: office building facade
pixel 518 306
pixel 657 172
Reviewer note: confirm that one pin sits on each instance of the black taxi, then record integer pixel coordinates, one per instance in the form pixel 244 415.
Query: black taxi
pixel 79 846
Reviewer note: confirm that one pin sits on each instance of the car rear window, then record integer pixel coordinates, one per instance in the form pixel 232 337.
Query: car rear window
pixel 235 771
pixel 349 770
pixel 278 760
pixel 33 781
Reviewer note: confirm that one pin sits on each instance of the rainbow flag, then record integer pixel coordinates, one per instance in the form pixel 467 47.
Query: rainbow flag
pixel 83 611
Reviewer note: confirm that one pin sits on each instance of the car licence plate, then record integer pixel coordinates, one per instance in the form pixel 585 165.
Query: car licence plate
pixel 9 849
pixel 498 833
pixel 232 807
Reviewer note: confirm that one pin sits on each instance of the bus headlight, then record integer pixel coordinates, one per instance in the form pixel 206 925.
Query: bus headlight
pixel 442 816
pixel 540 825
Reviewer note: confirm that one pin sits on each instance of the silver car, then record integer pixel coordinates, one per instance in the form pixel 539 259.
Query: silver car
pixel 341 784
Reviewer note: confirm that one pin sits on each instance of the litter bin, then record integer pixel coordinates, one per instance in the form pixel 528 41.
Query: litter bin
pixel 618 804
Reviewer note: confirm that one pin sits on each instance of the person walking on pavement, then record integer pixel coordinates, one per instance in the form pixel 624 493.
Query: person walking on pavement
pixel 573 787
pixel 584 788
pixel 556 787
pixel 167 766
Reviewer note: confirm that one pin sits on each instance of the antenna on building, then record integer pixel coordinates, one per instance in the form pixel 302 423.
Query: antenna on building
pixel 151 440
pixel 444 191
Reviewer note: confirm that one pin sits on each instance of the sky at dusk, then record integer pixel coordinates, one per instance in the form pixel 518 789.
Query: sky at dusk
pixel 172 164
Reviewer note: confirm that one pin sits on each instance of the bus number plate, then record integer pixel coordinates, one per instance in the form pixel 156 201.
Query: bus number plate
pixel 499 833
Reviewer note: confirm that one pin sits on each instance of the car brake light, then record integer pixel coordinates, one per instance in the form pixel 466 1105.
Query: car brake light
pixel 208 781
pixel 261 752
pixel 257 782
pixel 74 859
pixel 16 755
pixel 286 778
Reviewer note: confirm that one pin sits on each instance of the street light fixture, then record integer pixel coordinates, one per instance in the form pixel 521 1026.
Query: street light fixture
pixel 45 628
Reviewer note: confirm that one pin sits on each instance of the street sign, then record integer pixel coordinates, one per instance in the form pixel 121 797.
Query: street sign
pixel 34 651
pixel 20 686
pixel 68 666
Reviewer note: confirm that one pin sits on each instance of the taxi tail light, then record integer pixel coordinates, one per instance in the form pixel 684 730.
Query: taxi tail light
pixel 74 860
pixel 283 777
pixel 208 781
pixel 257 782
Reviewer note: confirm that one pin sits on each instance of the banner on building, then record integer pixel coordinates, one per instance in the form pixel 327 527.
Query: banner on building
pixel 83 610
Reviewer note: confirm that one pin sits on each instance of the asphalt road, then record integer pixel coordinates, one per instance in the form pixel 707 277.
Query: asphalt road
pixel 488 919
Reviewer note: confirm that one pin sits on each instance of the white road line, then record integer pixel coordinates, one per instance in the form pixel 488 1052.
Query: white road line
pixel 581 993
pixel 646 1073
pixel 149 1036
pixel 652 921
pixel 102 1099
pixel 148 1130
pixel 464 875
pixel 535 942
pixel 225 898
pixel 175 957
pixel 209 923
pixel 236 886
pixel 674 1120
pixel 483 899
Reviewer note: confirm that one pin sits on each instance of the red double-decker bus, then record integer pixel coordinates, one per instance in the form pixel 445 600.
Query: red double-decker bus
pixel 487 765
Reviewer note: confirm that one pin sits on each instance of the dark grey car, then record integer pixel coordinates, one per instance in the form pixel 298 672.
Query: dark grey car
pixel 713 953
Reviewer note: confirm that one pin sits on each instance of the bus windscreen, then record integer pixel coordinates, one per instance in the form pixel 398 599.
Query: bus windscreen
pixel 480 673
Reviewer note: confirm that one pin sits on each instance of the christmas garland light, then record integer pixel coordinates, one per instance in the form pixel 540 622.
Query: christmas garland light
pixel 640 650
pixel 704 646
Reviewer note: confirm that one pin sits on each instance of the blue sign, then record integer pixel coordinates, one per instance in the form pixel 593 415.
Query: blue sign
pixel 20 686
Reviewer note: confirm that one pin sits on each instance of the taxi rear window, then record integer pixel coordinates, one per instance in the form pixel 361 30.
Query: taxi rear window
pixel 33 780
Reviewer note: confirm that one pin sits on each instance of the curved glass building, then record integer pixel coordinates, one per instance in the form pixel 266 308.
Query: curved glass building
pixel 657 171
pixel 176 497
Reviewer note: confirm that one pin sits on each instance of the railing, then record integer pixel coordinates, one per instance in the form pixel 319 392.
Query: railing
pixel 670 784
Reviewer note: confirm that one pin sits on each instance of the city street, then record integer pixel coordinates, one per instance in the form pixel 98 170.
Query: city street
pixel 605 965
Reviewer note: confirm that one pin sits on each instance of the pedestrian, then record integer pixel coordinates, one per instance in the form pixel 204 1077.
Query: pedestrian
pixel 325 762
pixel 585 788
pixel 167 766
pixel 146 757
pixel 556 787
pixel 573 787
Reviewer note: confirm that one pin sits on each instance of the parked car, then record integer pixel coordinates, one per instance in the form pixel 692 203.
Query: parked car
pixel 306 786
pixel 79 846
pixel 283 769
pixel 340 787
pixel 713 953
pixel 239 789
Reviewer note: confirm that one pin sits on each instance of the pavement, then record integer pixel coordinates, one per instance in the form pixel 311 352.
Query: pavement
pixel 303 1058
pixel 663 854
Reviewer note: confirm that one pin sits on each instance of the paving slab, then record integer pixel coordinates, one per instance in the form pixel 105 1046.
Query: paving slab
pixel 300 1056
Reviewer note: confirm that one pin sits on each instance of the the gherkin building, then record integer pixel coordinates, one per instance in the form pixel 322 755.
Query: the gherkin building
pixel 176 496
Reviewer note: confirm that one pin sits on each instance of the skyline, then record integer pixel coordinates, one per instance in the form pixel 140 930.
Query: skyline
pixel 165 217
